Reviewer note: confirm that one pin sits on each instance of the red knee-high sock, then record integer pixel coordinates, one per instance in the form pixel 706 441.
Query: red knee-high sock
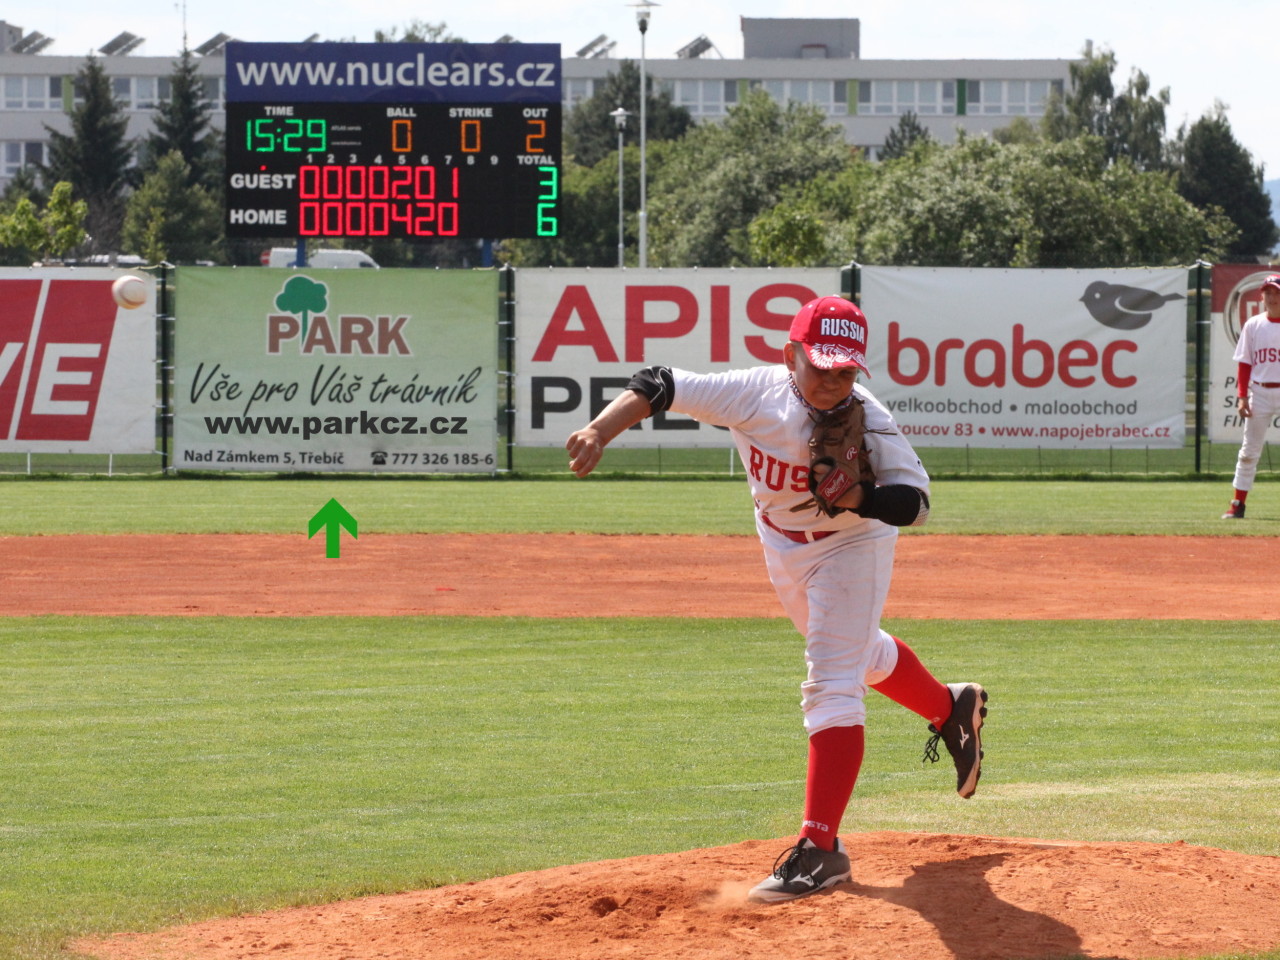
pixel 915 687
pixel 1241 495
pixel 835 757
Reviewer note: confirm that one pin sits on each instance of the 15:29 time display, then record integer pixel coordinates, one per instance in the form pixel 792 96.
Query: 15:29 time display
pixel 286 135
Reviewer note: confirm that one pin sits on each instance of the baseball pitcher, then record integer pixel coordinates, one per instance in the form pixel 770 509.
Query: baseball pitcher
pixel 832 478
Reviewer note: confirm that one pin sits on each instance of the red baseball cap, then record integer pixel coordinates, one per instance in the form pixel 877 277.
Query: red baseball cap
pixel 833 332
pixel 1273 280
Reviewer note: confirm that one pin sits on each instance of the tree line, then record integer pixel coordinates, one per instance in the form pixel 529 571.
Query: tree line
pixel 1096 181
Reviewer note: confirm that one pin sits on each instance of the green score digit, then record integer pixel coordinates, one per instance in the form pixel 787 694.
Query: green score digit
pixel 318 135
pixel 260 135
pixel 548 224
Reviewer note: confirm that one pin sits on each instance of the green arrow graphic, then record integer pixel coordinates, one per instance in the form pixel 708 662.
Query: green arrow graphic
pixel 333 517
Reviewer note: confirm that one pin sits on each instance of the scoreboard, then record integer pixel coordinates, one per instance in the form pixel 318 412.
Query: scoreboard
pixel 399 140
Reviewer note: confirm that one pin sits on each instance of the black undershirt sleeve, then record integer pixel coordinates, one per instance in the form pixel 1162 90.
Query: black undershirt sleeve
pixel 655 384
pixel 897 504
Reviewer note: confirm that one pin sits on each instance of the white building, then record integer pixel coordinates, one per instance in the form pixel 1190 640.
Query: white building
pixel 811 60
pixel 820 62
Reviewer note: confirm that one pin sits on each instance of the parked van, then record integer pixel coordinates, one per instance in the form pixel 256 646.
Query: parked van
pixel 321 259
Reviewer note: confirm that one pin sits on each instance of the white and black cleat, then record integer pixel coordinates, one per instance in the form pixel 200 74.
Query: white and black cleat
pixel 802 870
pixel 962 733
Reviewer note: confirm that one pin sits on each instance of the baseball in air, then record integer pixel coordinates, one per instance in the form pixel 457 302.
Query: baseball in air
pixel 129 291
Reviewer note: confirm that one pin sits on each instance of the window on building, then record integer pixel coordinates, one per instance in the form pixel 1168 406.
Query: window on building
pixel 575 91
pixel 213 90
pixel 145 93
pixel 1010 97
pixel 826 95
pixel 704 98
pixel 926 98
pixel 16 155
pixel 32 93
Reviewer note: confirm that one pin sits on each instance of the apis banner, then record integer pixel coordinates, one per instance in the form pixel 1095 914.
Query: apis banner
pixel 581 334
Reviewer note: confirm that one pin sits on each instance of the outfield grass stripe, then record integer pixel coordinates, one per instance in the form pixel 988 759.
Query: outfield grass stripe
pixel 166 768
pixel 267 505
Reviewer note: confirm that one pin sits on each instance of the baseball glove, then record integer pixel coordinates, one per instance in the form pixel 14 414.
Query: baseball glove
pixel 838 458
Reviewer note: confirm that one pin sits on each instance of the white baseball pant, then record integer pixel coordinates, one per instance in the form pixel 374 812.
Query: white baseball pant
pixel 1265 404
pixel 834 591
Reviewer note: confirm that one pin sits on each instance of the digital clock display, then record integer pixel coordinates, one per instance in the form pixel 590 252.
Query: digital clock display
pixel 292 135
pixel 470 159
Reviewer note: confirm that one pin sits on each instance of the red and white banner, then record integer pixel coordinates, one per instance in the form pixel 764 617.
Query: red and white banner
pixel 581 334
pixel 1030 358
pixel 77 372
pixel 1237 296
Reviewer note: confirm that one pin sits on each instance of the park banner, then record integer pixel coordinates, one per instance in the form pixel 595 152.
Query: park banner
pixel 77 372
pixel 1060 359
pixel 1237 296
pixel 581 334
pixel 335 370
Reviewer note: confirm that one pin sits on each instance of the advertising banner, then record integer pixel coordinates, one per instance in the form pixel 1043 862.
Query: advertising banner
pixel 1030 358
pixel 77 372
pixel 335 370
pixel 581 334
pixel 1237 296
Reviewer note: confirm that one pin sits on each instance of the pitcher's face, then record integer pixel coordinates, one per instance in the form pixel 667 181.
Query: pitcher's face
pixel 823 389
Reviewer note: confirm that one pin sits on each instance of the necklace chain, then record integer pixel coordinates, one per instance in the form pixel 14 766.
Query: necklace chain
pixel 814 411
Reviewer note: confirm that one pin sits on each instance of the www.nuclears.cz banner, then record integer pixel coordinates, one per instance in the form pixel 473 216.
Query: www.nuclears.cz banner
pixel 335 370
pixel 1030 358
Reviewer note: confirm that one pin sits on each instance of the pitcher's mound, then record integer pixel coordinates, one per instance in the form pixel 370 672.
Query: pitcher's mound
pixel 912 897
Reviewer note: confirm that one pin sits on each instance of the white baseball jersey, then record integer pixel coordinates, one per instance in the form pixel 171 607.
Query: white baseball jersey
pixel 771 427
pixel 832 588
pixel 1260 346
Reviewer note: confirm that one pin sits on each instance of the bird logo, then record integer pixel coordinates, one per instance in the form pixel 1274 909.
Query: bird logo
pixel 1123 308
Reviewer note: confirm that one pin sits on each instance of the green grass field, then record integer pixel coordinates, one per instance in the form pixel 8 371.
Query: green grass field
pixel 601 506
pixel 159 770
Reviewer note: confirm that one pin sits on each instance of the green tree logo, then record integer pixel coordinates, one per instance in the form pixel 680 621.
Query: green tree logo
pixel 302 296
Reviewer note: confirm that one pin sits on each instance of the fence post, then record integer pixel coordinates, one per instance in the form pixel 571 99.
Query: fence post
pixel 507 334
pixel 164 317
pixel 1201 323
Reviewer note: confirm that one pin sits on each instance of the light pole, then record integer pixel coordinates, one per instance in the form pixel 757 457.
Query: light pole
pixel 642 17
pixel 620 118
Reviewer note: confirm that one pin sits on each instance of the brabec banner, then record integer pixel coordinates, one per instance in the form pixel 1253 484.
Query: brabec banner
pixel 77 373
pixel 1030 358
pixel 335 370
pixel 1237 296
pixel 581 334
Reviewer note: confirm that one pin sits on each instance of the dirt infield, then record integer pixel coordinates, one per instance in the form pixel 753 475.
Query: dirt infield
pixel 608 576
pixel 912 897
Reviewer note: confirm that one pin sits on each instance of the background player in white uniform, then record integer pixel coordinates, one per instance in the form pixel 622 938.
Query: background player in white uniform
pixel 1258 356
pixel 831 573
